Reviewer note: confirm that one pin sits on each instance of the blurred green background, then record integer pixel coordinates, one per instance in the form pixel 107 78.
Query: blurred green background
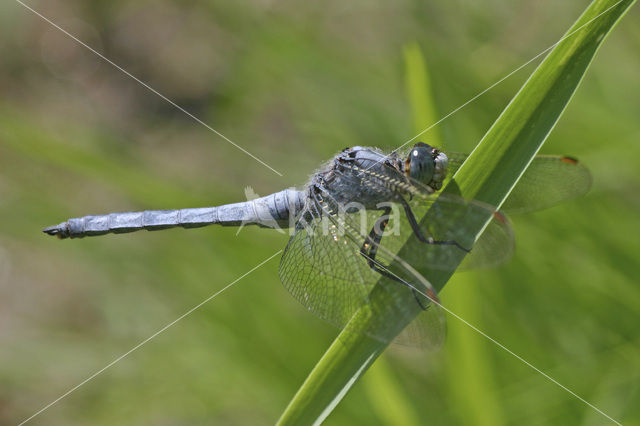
pixel 293 83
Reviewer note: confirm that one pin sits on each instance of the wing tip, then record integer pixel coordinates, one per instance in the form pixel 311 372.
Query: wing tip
pixel 500 217
pixel 569 160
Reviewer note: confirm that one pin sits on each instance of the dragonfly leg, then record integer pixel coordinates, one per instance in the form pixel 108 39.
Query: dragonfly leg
pixel 418 232
pixel 370 248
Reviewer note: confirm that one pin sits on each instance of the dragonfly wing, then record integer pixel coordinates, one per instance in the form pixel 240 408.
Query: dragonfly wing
pixel 549 180
pixel 323 269
pixel 455 161
pixel 325 273
pixel 452 223
pixel 449 220
pixel 427 331
pixel 493 248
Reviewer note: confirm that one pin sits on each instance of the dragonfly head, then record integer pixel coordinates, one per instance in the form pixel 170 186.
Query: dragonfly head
pixel 427 165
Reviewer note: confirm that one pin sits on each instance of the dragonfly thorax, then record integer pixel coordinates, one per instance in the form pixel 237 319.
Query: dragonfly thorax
pixel 361 176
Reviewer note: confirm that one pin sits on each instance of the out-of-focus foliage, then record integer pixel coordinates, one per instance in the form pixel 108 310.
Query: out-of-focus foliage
pixel 293 82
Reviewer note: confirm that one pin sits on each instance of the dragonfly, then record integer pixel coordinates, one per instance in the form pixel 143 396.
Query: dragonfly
pixel 369 221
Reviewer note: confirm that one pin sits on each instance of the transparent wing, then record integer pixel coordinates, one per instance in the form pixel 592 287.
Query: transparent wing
pixel 494 247
pixel 450 221
pixel 549 180
pixel 323 269
pixel 428 330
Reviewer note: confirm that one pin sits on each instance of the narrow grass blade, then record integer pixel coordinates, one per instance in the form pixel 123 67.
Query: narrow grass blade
pixel 419 93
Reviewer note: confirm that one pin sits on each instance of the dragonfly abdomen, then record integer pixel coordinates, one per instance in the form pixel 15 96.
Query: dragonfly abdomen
pixel 269 211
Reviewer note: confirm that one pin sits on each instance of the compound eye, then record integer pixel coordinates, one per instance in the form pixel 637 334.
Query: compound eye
pixel 421 165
